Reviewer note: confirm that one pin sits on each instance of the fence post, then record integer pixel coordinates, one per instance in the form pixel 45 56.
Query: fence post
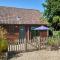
pixel 39 47
pixel 25 41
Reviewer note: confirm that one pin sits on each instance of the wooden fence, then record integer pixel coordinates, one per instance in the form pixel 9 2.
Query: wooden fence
pixel 26 45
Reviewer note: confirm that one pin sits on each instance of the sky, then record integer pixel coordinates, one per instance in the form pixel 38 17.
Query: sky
pixel 28 4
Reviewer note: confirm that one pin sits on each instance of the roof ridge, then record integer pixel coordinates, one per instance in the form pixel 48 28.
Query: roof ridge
pixel 19 8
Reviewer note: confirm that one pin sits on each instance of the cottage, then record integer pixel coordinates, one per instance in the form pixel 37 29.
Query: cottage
pixel 18 21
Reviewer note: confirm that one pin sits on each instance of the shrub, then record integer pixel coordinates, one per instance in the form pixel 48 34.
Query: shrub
pixel 3 45
pixel 3 40
pixel 53 42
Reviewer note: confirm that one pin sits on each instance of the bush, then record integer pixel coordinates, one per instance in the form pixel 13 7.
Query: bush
pixel 53 42
pixel 3 45
pixel 3 40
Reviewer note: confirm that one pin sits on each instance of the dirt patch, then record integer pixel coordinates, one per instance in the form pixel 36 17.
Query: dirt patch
pixel 39 55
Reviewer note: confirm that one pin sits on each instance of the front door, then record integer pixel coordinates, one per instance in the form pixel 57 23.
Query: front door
pixel 21 37
pixel 21 32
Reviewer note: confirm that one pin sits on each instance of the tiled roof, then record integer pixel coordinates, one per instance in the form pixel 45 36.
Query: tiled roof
pixel 12 15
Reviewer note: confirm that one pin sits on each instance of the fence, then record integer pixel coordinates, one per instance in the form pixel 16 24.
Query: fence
pixel 33 44
pixel 24 45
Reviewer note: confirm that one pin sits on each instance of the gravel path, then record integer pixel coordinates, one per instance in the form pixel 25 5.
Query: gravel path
pixel 38 55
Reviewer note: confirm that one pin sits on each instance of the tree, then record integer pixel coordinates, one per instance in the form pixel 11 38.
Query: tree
pixel 52 10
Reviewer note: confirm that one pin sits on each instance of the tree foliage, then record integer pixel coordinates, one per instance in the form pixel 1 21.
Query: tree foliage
pixel 52 11
pixel 52 8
